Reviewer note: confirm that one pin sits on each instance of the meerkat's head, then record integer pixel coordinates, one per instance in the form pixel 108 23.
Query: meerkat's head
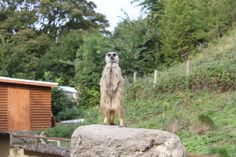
pixel 112 57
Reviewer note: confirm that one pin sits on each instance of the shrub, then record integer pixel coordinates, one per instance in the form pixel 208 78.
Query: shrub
pixel 139 90
pixel 61 130
pixel 89 97
pixel 214 74
pixel 62 106
pixel 220 151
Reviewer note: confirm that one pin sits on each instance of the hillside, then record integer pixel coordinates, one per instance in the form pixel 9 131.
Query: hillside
pixel 199 107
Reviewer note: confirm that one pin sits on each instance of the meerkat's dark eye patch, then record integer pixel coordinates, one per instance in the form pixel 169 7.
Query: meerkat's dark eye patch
pixel 114 54
pixel 108 54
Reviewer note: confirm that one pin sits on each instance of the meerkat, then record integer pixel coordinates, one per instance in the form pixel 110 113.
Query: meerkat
pixel 112 89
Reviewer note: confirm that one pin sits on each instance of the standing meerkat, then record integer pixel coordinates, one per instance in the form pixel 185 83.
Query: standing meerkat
pixel 112 89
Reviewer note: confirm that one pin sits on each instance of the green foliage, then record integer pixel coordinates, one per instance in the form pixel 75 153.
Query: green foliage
pixel 61 130
pixel 221 152
pixel 174 105
pixel 89 60
pixel 63 107
pixel 20 55
pixel 182 109
pixel 92 115
pixel 216 72
pixel 64 16
pixel 172 31
pixel 137 45
pixel 177 26
pixel 58 61
pixel 186 24
pixel 138 90
pixel 206 119
pixel 40 37
pixel 89 97
pixel 89 63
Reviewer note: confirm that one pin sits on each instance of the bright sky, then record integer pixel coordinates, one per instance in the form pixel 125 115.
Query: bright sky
pixel 112 9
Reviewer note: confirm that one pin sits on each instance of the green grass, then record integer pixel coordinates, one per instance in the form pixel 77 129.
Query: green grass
pixel 186 108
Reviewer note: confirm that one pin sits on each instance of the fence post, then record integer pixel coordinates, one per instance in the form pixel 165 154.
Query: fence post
pixel 135 76
pixel 188 67
pixel 155 78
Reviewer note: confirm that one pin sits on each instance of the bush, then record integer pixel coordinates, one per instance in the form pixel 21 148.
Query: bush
pixel 89 97
pixel 63 107
pixel 214 74
pixel 220 151
pixel 139 90
pixel 63 131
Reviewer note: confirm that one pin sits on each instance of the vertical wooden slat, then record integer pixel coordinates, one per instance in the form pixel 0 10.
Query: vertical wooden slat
pixel 24 107
pixel 18 109
pixel 3 108
pixel 40 108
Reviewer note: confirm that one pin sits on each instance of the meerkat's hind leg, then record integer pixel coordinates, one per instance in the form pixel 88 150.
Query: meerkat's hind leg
pixel 104 112
pixel 112 117
pixel 121 117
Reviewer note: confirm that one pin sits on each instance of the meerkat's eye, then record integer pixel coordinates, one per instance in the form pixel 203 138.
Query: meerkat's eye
pixel 108 54
pixel 114 54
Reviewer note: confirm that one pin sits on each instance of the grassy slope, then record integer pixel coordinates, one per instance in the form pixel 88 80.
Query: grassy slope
pixel 200 108
pixel 179 101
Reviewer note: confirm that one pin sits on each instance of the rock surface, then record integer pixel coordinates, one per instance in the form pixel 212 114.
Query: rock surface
pixel 113 141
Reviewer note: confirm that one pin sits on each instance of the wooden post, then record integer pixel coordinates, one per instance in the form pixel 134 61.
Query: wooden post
pixel 155 78
pixel 135 76
pixel 188 67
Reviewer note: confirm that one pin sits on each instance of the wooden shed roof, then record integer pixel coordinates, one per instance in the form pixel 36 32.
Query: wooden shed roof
pixel 27 82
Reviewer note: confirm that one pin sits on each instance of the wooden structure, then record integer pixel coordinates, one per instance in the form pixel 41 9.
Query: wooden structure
pixel 25 104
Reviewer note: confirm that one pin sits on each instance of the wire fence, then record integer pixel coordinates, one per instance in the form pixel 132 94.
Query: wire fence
pixel 184 69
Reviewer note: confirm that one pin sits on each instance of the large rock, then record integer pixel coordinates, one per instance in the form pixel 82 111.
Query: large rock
pixel 113 141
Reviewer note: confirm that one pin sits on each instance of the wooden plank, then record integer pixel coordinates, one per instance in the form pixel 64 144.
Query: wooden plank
pixel 3 108
pixel 37 103
pixel 18 108
pixel 43 110
pixel 44 119
pixel 40 109
pixel 42 98
pixel 41 124
pixel 46 115
pixel 38 123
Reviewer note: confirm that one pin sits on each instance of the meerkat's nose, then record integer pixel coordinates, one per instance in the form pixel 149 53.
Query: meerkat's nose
pixel 112 57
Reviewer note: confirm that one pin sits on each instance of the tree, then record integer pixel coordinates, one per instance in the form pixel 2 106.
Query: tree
pixel 36 37
pixel 63 108
pixel 185 24
pixel 89 64
pixel 20 55
pixel 90 59
pixel 138 46
pixel 58 61
pixel 60 17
